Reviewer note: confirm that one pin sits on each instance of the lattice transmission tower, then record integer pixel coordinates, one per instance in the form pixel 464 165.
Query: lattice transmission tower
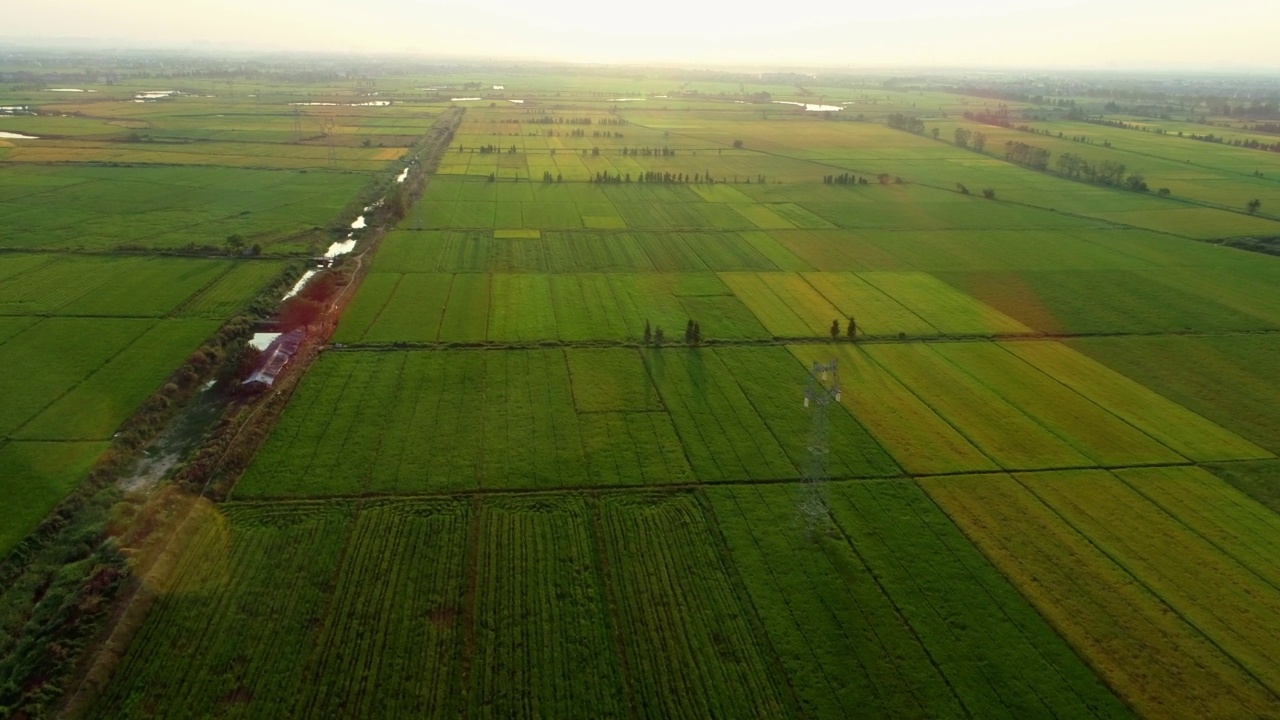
pixel 328 134
pixel 823 388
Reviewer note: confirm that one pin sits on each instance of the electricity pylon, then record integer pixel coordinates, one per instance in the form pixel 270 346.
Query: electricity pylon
pixel 822 389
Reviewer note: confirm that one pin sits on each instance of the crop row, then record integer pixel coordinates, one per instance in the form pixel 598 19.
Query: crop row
pixel 390 641
pixel 236 622
pixel 528 606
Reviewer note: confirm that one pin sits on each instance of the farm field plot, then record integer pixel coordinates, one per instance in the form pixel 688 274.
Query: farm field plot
pixel 739 416
pixel 1156 660
pixel 106 286
pixel 953 313
pixel 784 302
pixel 433 421
pixel 229 294
pixel 544 636
pixel 537 251
pixel 166 207
pixel 691 638
pixel 1218 584
pixel 64 351
pixel 223 598
pixel 523 593
pixel 874 312
pixel 999 428
pixel 523 308
pixel 876 611
pixel 1179 429
pixel 1232 380
pixel 1186 167
pixel 1107 302
pixel 1097 434
pixel 93 409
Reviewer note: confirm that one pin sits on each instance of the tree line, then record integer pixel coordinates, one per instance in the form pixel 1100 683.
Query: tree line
pixel 899 121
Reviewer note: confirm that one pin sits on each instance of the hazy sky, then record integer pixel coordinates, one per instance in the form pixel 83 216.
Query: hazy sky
pixel 1020 33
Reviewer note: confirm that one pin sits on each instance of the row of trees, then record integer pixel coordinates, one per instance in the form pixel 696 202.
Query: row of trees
pixel 668 178
pixel 1106 172
pixel 656 336
pixel 1248 143
pixel 647 152
pixel 851 329
pixel 849 179
pixel 964 137
pixel 579 132
pixel 999 117
pixel 844 179
pixel 548 120
pixel 898 121
pixel 693 332
pixel 489 149
pixel 988 193
pixel 1029 155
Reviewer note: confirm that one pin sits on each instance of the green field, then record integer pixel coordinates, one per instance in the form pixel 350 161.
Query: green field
pixel 518 483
